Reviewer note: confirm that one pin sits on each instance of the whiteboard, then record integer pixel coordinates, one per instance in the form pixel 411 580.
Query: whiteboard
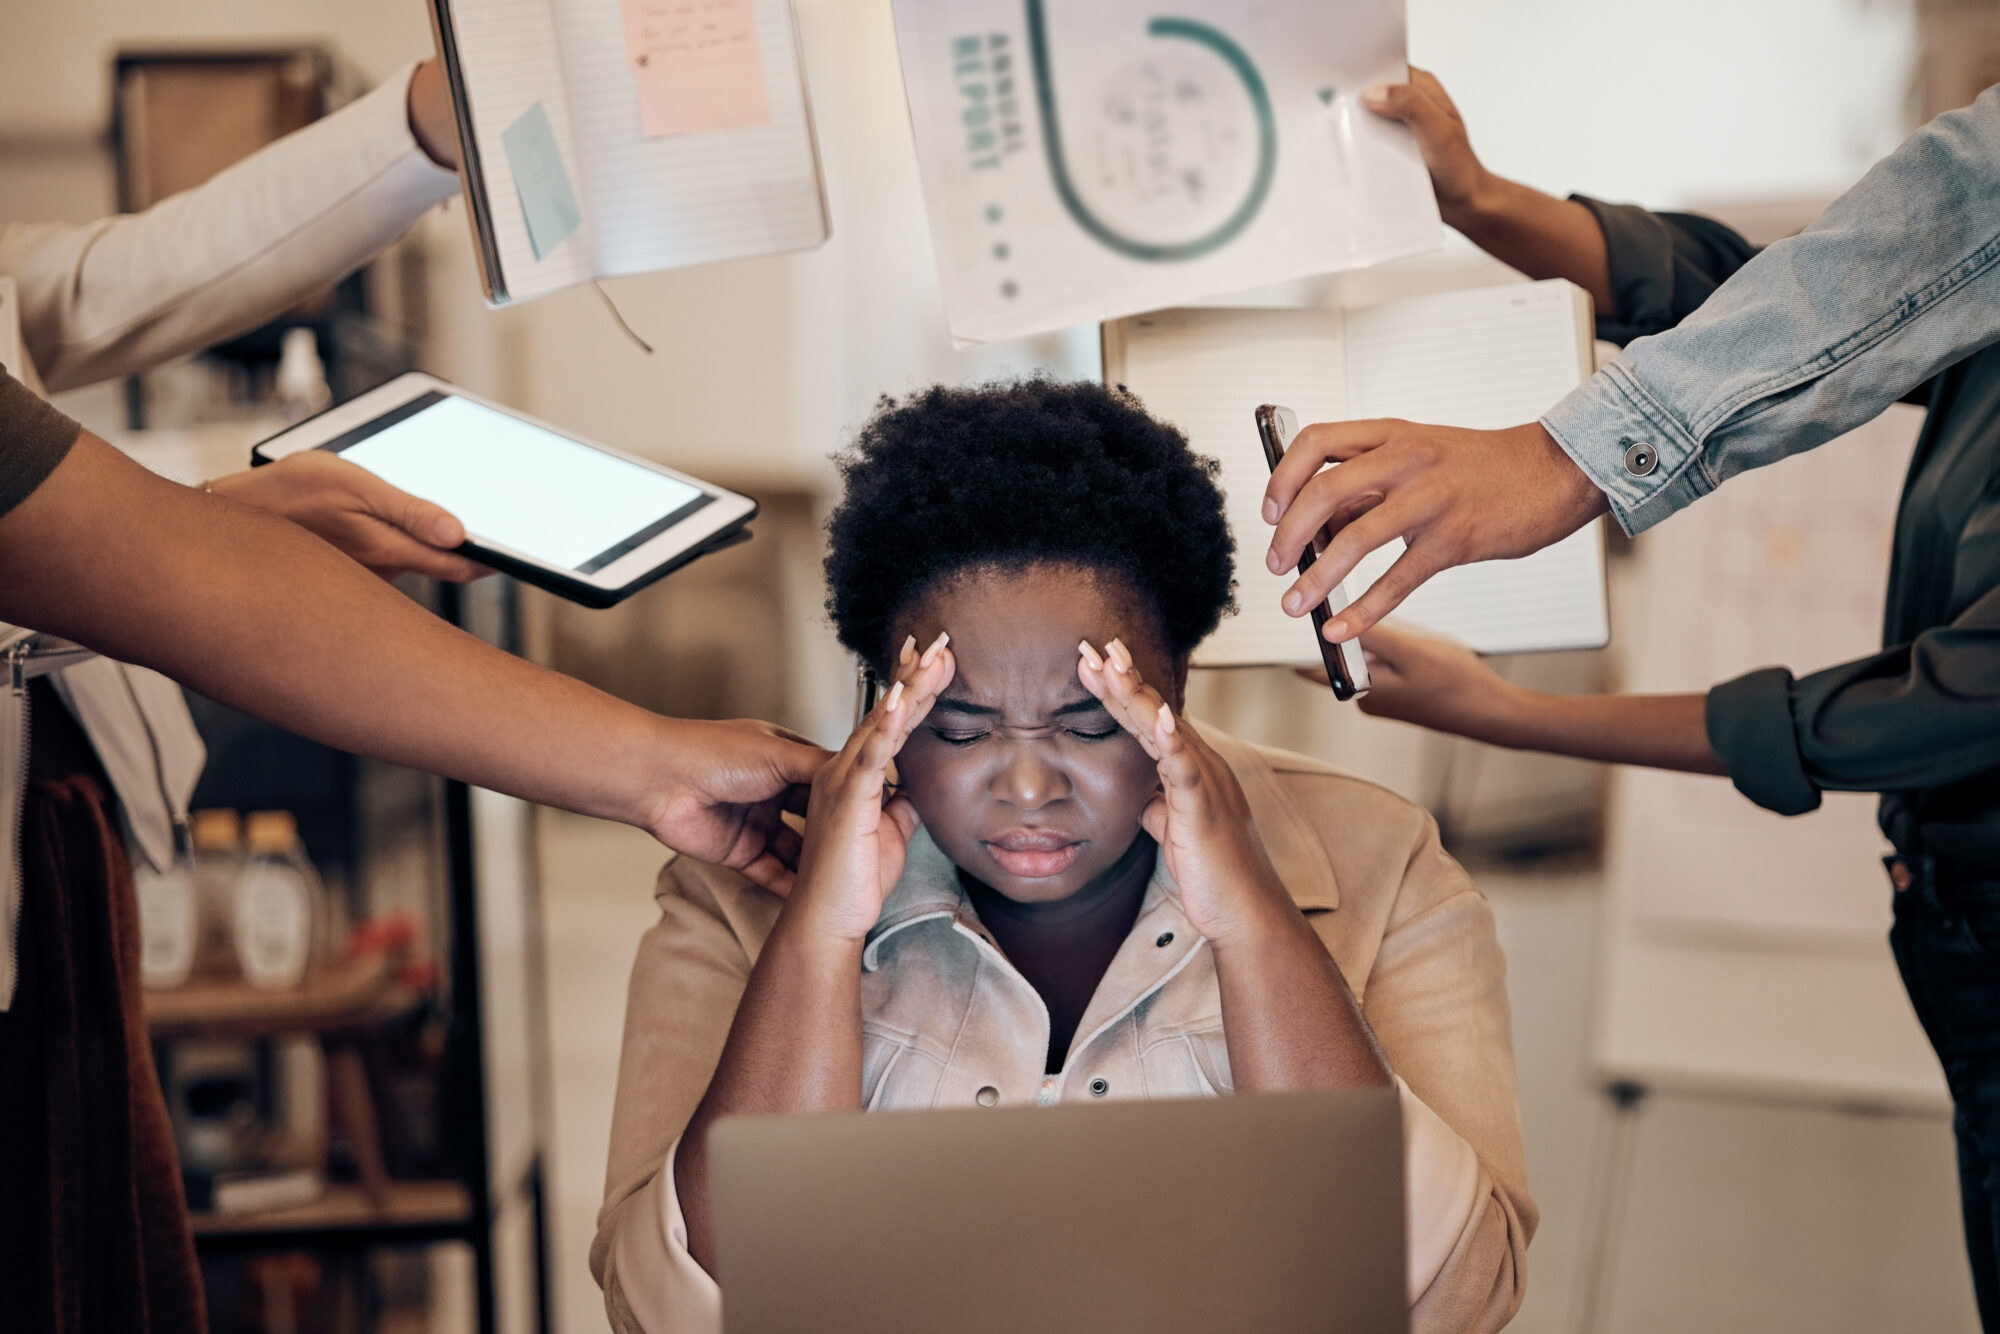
pixel 1739 950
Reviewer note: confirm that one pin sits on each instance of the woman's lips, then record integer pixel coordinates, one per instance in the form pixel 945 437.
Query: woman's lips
pixel 1034 854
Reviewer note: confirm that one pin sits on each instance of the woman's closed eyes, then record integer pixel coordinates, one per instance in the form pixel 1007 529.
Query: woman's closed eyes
pixel 1086 732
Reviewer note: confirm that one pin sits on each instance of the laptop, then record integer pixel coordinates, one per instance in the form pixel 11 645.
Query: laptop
pixel 1252 1214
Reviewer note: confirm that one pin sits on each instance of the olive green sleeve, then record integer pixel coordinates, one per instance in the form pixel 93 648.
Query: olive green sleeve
pixel 1917 715
pixel 34 438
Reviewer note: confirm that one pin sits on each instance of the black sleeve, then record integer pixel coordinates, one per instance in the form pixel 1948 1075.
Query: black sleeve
pixel 1663 265
pixel 34 438
pixel 1919 715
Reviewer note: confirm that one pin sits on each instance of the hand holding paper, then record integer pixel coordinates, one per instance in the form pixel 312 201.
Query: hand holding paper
pixel 1083 159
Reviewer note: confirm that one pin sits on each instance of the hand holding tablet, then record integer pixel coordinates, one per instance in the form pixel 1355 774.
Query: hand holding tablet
pixel 590 523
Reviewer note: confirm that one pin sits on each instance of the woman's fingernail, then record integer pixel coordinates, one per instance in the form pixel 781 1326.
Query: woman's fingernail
pixel 1295 602
pixel 937 647
pixel 909 649
pixel 1120 659
pixel 1270 510
pixel 1166 718
pixel 1090 655
pixel 894 697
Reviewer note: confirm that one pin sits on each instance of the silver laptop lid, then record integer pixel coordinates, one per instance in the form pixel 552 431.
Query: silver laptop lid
pixel 1267 1213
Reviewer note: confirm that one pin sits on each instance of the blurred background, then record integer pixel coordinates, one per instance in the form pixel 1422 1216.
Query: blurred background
pixel 1684 1182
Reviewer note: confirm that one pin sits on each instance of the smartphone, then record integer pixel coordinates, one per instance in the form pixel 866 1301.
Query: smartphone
pixel 1346 664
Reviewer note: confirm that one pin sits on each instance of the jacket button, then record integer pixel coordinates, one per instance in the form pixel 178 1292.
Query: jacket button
pixel 1640 460
pixel 1099 1087
pixel 1166 939
pixel 987 1096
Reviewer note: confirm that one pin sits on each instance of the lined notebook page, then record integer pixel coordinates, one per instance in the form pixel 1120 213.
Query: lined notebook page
pixel 1206 371
pixel 1494 357
pixel 687 198
pixel 507 58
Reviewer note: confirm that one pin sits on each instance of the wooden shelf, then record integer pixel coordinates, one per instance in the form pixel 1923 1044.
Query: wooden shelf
pixel 346 1208
pixel 357 994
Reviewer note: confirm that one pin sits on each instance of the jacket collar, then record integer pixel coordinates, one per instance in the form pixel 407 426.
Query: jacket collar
pixel 929 888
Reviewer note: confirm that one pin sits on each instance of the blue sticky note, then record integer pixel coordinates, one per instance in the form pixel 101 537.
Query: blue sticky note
pixel 539 178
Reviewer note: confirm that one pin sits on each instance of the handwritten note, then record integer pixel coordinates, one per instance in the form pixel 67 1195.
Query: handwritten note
pixel 697 65
pixel 539 179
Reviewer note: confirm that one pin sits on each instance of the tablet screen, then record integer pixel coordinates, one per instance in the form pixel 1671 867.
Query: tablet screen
pixel 517 485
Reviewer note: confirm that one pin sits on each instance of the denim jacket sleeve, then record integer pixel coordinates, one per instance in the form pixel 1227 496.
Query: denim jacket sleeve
pixel 1814 336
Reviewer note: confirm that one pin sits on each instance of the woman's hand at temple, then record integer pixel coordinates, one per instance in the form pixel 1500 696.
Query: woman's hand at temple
pixel 1200 817
pixel 1288 1015
pixel 795 1045
pixel 854 840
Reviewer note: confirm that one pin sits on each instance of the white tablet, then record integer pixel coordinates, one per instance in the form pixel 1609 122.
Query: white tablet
pixel 590 523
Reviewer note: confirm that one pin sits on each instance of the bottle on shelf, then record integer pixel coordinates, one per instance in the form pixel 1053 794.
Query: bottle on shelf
pixel 278 904
pixel 169 922
pixel 217 836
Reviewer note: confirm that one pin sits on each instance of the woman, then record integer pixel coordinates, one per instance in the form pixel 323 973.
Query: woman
pixel 1074 892
pixel 1918 722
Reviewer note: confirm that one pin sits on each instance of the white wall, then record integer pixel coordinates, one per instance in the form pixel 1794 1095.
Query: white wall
pixel 1663 103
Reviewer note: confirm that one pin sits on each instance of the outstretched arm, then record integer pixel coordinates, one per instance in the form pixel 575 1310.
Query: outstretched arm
pixel 258 613
pixel 124 293
pixel 1811 338
pixel 1434 683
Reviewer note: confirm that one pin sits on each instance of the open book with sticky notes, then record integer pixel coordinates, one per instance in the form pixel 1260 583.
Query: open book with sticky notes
pixel 1484 358
pixel 607 137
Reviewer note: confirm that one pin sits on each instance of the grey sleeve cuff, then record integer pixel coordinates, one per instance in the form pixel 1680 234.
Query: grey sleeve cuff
pixel 34 439
pixel 1750 726
pixel 1639 251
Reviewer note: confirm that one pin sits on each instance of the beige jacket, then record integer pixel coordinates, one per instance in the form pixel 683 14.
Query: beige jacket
pixel 944 1016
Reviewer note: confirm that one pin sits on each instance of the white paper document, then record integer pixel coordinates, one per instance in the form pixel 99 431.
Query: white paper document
pixel 1085 159
pixel 601 138
pixel 1494 356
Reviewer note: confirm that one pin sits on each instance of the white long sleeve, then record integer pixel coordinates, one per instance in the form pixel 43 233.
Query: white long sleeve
pixel 115 296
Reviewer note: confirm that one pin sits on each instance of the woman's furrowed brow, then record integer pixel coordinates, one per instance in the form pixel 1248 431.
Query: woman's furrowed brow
pixel 958 704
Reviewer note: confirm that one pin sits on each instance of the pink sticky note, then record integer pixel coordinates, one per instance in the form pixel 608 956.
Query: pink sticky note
pixel 697 65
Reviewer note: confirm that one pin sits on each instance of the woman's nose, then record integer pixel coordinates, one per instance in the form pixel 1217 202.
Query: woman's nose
pixel 1028 777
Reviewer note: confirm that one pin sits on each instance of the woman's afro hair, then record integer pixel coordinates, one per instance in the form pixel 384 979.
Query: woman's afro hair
pixel 1022 473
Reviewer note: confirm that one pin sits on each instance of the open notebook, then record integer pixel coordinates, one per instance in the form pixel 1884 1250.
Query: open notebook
pixel 1489 357
pixel 605 137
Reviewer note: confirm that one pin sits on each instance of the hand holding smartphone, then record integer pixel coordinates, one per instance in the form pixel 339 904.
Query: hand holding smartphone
pixel 1346 664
